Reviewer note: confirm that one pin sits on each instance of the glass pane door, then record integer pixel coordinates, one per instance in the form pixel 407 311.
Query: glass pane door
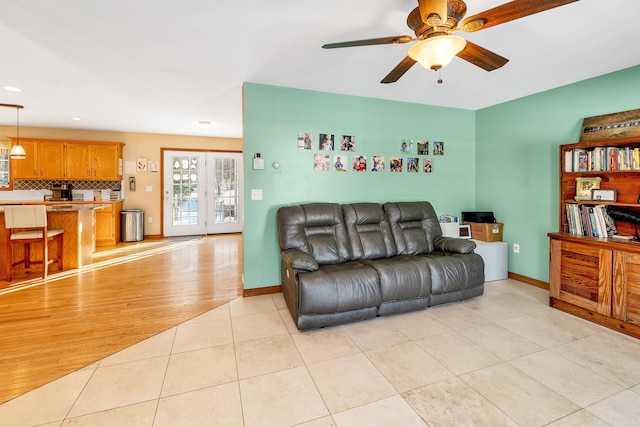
pixel 184 193
pixel 224 176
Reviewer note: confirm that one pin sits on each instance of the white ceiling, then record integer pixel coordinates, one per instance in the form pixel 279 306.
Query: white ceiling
pixel 161 66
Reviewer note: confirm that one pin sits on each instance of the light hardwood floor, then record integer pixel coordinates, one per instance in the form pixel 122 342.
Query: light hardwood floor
pixel 131 292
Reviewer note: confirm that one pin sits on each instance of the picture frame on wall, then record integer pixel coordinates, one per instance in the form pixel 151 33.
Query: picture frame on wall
pixel 584 186
pixel 406 146
pixel 395 164
pixel 348 143
pixel 326 142
pixel 423 148
pixel 438 148
pixel 427 165
pixel 377 163
pixel 359 163
pixel 413 164
pixel 305 141
pixel 321 162
pixel 340 163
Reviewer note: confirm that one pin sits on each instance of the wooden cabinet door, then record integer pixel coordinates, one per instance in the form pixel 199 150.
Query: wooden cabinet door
pixel 78 161
pixel 626 286
pixel 51 160
pixel 581 275
pixel 26 168
pixel 108 224
pixel 105 161
pixel 104 227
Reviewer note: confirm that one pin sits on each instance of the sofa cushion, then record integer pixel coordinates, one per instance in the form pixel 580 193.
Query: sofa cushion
pixel 369 231
pixel 451 272
pixel 338 288
pixel 315 228
pixel 403 277
pixel 414 226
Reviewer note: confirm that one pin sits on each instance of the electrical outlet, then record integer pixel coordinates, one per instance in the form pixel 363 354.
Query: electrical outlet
pixel 516 248
pixel 149 220
pixel 256 194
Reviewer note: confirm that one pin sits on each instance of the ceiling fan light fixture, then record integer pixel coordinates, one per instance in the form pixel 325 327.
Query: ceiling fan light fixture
pixel 437 52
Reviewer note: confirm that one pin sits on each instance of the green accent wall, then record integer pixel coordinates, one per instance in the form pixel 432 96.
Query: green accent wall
pixel 517 169
pixel 503 158
pixel 273 117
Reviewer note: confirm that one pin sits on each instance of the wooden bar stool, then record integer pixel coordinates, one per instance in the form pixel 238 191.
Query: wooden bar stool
pixel 26 225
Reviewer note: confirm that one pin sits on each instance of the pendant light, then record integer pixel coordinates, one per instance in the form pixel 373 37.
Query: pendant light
pixel 17 151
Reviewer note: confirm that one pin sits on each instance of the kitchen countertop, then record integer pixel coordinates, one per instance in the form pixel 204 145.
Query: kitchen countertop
pixel 58 206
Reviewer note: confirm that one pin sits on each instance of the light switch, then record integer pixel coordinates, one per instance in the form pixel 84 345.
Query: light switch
pixel 149 188
pixel 256 194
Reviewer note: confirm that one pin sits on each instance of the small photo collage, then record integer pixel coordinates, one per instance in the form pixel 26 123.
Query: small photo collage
pixel 338 153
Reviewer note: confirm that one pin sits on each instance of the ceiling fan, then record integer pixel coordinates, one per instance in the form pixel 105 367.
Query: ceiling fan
pixel 435 21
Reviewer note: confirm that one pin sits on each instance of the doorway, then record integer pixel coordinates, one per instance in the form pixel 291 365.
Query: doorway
pixel 202 193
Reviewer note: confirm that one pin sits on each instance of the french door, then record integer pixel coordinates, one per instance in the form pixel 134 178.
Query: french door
pixel 202 193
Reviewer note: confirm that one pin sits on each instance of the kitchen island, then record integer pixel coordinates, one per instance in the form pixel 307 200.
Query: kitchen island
pixel 76 219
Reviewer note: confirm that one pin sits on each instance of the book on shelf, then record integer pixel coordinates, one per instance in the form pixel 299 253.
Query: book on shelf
pixel 602 159
pixel 589 220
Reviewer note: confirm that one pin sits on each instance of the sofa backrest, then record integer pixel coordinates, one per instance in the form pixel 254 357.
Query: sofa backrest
pixel 315 228
pixel 414 226
pixel 369 231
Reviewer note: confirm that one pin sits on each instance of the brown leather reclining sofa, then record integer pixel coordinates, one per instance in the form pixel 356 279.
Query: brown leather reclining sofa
pixel 343 263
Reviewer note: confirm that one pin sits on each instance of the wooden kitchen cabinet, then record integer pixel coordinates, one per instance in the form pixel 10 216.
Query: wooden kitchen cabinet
pixel 26 168
pixel 50 159
pixel 78 160
pixel 107 159
pixel 108 224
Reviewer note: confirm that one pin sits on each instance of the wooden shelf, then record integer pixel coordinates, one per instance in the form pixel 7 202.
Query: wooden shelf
pixel 600 202
pixel 597 278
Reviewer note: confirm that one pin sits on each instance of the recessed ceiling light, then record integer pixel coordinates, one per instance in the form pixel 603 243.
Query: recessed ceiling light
pixel 76 118
pixel 204 124
pixel 12 88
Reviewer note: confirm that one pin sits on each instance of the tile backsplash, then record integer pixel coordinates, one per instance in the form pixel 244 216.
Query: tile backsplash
pixel 27 184
pixel 37 190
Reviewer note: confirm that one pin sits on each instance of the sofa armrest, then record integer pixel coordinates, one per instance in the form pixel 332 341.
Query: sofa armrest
pixel 454 244
pixel 299 260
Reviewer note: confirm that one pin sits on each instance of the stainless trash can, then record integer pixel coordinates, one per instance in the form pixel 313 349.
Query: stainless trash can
pixel 132 225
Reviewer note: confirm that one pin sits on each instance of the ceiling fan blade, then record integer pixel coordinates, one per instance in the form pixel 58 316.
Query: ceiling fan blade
pixel 482 57
pixel 369 42
pixel 513 10
pixel 430 7
pixel 399 70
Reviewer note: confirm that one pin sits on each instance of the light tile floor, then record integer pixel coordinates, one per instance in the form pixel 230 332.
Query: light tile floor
pixel 502 359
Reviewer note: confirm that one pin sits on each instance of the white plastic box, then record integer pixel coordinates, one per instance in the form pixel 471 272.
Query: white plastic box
pixel 496 259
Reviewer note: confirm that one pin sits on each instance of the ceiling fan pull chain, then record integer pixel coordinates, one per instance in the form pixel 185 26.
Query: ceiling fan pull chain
pixel 439 75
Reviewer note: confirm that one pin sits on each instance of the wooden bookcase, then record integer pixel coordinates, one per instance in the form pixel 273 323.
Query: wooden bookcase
pixel 598 278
